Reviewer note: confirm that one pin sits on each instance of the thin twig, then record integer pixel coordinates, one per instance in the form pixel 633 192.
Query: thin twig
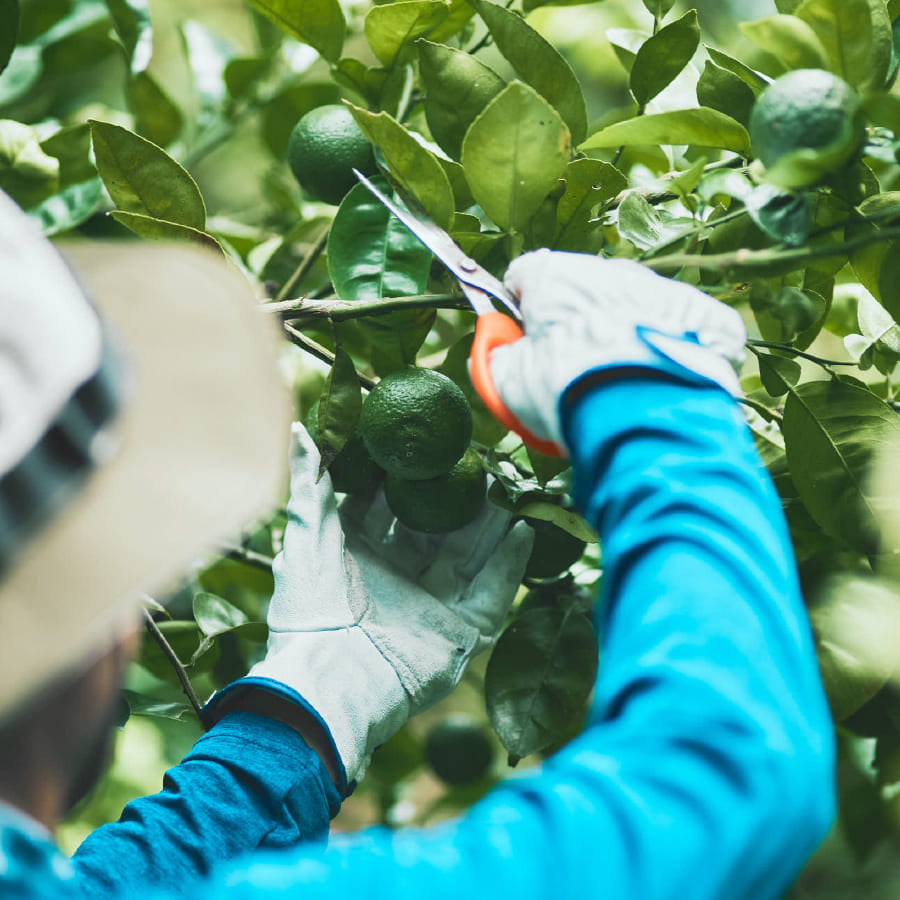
pixel 250 557
pixel 757 259
pixel 787 348
pixel 341 310
pixel 323 353
pixel 177 664
pixel 303 267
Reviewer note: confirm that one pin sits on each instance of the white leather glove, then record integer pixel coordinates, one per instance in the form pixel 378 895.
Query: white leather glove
pixel 586 314
pixel 372 623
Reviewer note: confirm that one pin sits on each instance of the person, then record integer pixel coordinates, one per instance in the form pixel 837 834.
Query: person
pixel 706 766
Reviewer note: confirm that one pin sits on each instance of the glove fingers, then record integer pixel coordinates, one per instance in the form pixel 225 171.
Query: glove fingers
pixel 487 601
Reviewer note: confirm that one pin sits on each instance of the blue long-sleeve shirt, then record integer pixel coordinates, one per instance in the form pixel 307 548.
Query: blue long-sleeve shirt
pixel 705 769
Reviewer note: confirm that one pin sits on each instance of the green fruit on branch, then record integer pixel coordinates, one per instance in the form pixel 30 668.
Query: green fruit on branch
pixel 441 504
pixel 416 423
pixel 806 124
pixel 459 751
pixel 324 148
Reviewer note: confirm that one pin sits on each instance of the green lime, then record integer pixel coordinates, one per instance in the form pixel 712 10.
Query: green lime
pixel 554 550
pixel 416 423
pixel 441 504
pixel 807 110
pixel 352 471
pixel 459 751
pixel 324 148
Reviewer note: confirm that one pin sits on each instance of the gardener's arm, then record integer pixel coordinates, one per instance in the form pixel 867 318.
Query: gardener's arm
pixel 706 770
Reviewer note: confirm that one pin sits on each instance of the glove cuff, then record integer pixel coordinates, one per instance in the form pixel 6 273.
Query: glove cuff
pixel 346 682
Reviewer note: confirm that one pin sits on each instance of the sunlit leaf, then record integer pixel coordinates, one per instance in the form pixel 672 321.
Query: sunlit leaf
pixel 699 127
pixel 514 153
pixel 143 179
pixel 161 230
pixel 392 27
pixel 538 63
pixel 790 39
pixel 663 56
pixel 319 23
pixel 27 173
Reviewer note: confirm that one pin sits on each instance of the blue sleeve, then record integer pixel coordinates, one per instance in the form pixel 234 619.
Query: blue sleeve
pixel 250 782
pixel 707 766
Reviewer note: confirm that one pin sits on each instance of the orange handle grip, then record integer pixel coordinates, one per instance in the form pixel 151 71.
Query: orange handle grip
pixel 494 330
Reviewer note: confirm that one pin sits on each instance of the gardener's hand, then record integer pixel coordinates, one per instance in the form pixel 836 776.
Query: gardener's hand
pixel 587 316
pixel 372 623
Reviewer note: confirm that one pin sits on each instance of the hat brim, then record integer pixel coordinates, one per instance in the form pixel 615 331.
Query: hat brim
pixel 202 450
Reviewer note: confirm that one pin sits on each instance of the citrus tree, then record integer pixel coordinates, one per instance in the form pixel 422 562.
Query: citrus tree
pixel 757 162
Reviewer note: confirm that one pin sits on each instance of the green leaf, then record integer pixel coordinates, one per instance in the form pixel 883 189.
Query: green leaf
pixel 9 27
pixel 563 518
pixel 156 117
pixel 27 173
pixel 390 28
pixel 647 227
pixel 625 43
pixel 663 56
pixel 513 155
pixel 698 127
pixel 161 230
pixel 831 430
pixel 372 254
pixel 457 88
pixel 856 35
pixel 72 147
pixel 878 328
pixel 70 207
pixel 787 6
pixel 855 620
pixel 416 168
pixel 142 178
pixel 185 638
pixel 215 615
pixel 339 408
pixel 783 215
pixel 724 91
pixel 485 428
pixel 142 705
pixel 539 677
pixel 658 8
pixel 787 312
pixel 778 374
pixel 319 23
pixel 756 81
pixel 538 63
pixel 589 182
pixel 791 40
pixel 131 19
pixel 358 77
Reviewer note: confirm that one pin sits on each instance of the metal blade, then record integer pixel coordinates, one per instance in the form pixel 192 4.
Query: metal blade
pixel 467 271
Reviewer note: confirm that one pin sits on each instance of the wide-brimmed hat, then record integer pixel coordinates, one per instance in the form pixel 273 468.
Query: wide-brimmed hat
pixel 130 441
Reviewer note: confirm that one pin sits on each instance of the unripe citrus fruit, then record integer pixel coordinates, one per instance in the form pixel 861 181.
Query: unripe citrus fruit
pixel 553 552
pixel 324 148
pixel 441 504
pixel 352 471
pixel 807 110
pixel 459 751
pixel 416 423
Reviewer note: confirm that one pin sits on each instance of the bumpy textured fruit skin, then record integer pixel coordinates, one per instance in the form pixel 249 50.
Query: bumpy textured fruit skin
pixel 442 504
pixel 553 552
pixel 458 751
pixel 416 423
pixel 806 109
pixel 352 471
pixel 324 148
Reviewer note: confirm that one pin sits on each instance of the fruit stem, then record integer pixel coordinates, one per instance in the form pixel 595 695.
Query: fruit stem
pixel 303 267
pixel 176 663
pixel 340 310
pixel 320 352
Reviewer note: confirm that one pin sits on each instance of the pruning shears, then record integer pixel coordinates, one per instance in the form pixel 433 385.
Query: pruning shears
pixel 493 328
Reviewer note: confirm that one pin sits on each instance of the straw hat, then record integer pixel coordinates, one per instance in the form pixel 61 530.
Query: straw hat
pixel 130 442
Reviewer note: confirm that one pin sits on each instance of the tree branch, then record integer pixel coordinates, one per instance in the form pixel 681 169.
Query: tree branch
pixel 787 348
pixel 303 267
pixel 323 353
pixel 250 557
pixel 176 663
pixel 341 310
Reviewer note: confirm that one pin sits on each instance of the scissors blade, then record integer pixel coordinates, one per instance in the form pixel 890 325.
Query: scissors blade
pixel 468 272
